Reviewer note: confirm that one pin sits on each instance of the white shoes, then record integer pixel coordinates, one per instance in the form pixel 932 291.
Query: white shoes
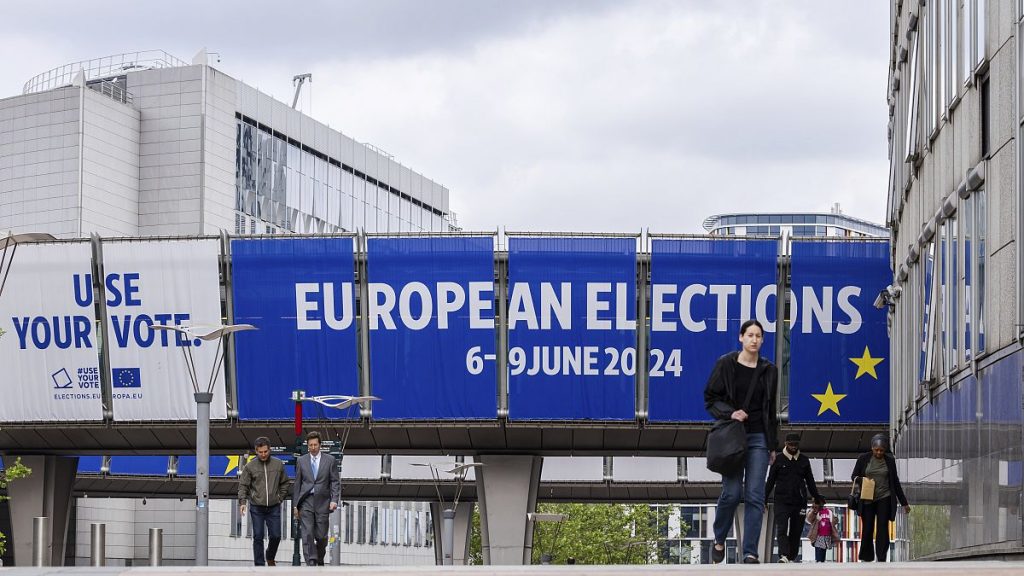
pixel 783 560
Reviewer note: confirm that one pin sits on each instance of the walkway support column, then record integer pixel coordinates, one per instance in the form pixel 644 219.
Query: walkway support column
pixel 507 490
pixel 47 492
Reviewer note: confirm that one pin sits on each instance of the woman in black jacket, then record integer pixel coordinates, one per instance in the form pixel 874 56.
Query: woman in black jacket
pixel 724 396
pixel 875 514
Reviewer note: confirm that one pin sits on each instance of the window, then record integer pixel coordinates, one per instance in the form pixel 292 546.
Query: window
pixel 928 16
pixel 349 523
pixel 374 525
pixel 939 45
pixel 968 277
pixel 925 267
pixel 428 523
pixel 986 130
pixel 967 60
pixel 942 300
pixel 952 48
pixel 979 32
pixel 236 522
pixel 981 234
pixel 951 322
pixel 418 532
pixel 361 529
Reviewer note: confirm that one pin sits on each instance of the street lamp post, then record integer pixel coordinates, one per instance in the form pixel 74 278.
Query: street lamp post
pixel 336 402
pixel 448 508
pixel 9 247
pixel 534 517
pixel 204 397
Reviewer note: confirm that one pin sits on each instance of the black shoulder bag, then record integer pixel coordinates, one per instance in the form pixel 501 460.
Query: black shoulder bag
pixel 727 441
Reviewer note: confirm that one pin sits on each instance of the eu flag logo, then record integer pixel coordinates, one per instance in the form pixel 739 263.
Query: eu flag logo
pixel 127 378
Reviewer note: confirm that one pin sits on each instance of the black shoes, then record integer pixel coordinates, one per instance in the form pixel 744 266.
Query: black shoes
pixel 751 560
pixel 717 556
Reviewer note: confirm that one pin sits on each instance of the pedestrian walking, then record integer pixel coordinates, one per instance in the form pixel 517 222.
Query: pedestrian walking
pixel 316 494
pixel 262 486
pixel 875 513
pixel 742 388
pixel 791 480
pixel 824 531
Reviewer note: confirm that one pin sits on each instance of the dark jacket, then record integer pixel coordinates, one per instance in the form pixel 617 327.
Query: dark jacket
pixel 792 481
pixel 896 494
pixel 720 393
pixel 263 483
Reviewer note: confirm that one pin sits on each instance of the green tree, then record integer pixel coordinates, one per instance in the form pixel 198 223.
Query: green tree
pixel 590 533
pixel 929 530
pixel 8 475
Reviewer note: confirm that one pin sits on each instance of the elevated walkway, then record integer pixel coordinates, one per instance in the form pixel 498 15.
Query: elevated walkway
pixel 413 437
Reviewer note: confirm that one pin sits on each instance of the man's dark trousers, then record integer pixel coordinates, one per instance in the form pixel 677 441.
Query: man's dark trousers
pixel 269 516
pixel 789 526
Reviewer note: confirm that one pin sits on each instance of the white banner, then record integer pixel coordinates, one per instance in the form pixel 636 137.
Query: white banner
pixel 49 367
pixel 171 283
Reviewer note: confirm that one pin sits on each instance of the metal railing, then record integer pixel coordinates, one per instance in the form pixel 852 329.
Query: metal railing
pixel 101 67
pixel 112 90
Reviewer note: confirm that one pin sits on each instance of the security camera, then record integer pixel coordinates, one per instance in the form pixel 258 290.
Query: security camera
pixel 882 300
pixel 887 297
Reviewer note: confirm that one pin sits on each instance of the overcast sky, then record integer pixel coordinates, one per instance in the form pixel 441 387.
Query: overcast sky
pixel 574 115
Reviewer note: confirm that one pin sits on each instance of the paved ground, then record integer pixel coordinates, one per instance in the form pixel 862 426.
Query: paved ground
pixel 909 568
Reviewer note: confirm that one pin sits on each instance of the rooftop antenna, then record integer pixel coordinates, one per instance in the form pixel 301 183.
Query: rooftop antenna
pixel 298 81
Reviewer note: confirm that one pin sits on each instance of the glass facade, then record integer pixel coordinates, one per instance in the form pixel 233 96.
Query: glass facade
pixel 960 456
pixel 798 224
pixel 686 536
pixel 282 186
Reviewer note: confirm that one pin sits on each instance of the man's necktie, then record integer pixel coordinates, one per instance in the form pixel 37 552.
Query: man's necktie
pixel 315 467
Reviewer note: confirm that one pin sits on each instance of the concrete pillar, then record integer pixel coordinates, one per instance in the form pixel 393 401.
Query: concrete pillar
pixel 507 491
pixel 463 531
pixel 47 492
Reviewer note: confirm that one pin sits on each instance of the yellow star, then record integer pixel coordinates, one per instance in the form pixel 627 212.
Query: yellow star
pixel 829 400
pixel 233 462
pixel 866 364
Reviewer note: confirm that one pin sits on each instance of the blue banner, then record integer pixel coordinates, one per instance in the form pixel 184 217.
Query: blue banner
pixel 702 290
pixel 220 466
pixel 432 340
pixel 572 328
pixel 299 293
pixel 840 346
pixel 141 465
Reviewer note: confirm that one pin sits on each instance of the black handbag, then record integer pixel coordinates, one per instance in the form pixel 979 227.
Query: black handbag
pixel 853 500
pixel 727 441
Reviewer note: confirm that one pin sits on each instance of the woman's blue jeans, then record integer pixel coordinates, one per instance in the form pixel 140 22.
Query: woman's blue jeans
pixel 746 486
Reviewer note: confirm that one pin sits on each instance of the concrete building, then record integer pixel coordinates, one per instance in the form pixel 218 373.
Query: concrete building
pixel 954 208
pixel 145 144
pixel 789 224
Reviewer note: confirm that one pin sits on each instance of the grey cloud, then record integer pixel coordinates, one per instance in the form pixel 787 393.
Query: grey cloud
pixel 578 115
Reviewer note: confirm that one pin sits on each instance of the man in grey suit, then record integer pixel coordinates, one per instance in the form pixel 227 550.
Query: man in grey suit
pixel 316 493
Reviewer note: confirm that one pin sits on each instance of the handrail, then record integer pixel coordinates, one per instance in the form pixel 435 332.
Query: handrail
pixel 101 67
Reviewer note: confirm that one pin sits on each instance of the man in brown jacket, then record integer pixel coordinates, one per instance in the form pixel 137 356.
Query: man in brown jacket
pixel 264 485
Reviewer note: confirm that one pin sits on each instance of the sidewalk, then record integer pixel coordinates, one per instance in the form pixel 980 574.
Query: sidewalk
pixel 909 568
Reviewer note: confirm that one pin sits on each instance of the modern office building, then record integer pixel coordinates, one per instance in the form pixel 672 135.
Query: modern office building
pixel 145 144
pixel 803 224
pixel 954 208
